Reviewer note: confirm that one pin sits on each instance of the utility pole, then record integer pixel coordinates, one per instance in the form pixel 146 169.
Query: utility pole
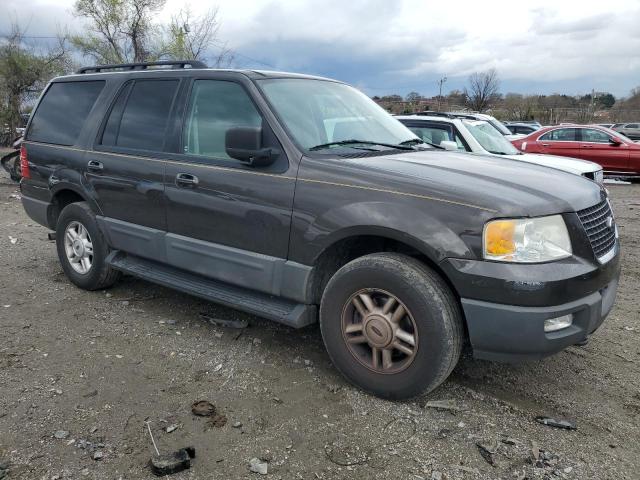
pixel 440 82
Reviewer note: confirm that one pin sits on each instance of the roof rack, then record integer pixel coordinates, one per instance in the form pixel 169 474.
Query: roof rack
pixel 174 64
pixel 431 113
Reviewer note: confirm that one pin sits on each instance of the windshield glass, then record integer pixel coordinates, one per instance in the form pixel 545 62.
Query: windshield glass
pixel 318 112
pixel 499 126
pixel 489 138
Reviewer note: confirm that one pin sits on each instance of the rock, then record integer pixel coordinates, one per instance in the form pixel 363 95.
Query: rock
pixel 173 462
pixel 98 455
pixel 435 475
pixel 61 434
pixel 258 466
pixel 171 428
pixel 237 424
pixel 487 451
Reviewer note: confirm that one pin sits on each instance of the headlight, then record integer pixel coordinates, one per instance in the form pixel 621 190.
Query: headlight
pixel 526 240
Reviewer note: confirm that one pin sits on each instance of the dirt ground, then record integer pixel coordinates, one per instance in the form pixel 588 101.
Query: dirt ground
pixel 81 373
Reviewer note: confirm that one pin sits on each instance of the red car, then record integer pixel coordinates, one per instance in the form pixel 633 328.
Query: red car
pixel 618 155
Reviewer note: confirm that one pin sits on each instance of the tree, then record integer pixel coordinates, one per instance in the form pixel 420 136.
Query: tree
pixel 190 38
pixel 483 88
pixel 122 31
pixel 413 97
pixel 24 70
pixel 119 30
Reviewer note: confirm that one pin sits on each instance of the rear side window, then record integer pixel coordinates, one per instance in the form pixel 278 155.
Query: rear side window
pixel 140 115
pixel 63 111
pixel 561 135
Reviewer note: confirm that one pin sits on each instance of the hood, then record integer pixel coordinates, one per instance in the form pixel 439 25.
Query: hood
pixel 515 136
pixel 498 185
pixel 572 165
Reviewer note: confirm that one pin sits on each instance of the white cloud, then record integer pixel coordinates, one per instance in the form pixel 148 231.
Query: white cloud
pixel 543 46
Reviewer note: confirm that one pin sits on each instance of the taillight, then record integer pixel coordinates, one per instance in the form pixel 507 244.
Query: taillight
pixel 24 163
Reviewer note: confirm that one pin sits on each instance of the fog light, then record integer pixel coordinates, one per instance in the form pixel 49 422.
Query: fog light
pixel 558 323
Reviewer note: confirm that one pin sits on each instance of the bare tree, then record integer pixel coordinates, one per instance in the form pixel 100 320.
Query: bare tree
pixel 24 70
pixel 188 37
pixel 483 88
pixel 119 30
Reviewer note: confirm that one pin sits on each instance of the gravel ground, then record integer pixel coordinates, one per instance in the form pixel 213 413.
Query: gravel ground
pixel 81 373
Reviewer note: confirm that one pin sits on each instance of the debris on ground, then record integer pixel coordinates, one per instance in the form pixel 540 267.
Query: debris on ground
pixel 237 424
pixel 487 451
pixel 13 240
pixel 223 322
pixel 203 408
pixel 171 428
pixel 61 434
pixel 258 466
pixel 98 455
pixel 449 405
pixel 172 462
pixel 557 423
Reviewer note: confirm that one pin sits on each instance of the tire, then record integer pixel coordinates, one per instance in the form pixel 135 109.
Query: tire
pixel 98 275
pixel 433 321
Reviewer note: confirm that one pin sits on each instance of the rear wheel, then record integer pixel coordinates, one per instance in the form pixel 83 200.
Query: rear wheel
pixel 391 325
pixel 82 249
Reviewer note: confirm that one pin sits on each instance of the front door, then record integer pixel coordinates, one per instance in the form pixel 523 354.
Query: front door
pixel 562 141
pixel 226 219
pixel 596 146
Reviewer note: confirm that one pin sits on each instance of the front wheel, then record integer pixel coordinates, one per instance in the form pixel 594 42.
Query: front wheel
pixel 391 325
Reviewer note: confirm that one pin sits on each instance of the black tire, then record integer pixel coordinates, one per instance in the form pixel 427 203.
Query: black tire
pixel 434 309
pixel 99 275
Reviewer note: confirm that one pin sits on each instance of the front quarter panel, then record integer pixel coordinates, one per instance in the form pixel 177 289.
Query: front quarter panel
pixel 328 209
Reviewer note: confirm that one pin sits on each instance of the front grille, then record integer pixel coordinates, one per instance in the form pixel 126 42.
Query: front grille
pixel 600 230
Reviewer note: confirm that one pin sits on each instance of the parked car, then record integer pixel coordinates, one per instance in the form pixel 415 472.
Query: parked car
pixel 533 123
pixel 606 125
pixel 230 185
pixel 497 124
pixel 521 128
pixel 478 136
pixel 630 130
pixel 617 154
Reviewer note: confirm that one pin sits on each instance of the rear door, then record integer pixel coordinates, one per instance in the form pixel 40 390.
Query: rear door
pixel 561 141
pixel 126 168
pixel 595 145
pixel 226 219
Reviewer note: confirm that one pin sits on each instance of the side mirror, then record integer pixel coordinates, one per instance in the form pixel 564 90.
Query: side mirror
pixel 614 141
pixel 245 144
pixel 449 145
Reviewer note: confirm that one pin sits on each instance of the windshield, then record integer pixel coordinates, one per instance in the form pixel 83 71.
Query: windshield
pixel 489 138
pixel 320 112
pixel 499 126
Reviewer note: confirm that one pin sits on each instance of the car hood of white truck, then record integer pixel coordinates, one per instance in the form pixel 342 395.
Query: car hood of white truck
pixel 572 165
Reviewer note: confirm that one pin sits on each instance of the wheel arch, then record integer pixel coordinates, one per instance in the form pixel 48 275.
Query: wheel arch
pixel 63 194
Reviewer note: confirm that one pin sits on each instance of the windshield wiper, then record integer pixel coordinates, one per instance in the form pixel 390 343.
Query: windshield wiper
pixel 362 142
pixel 417 141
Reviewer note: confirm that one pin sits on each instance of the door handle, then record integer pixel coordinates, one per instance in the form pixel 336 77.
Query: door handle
pixel 186 180
pixel 545 144
pixel 586 146
pixel 95 165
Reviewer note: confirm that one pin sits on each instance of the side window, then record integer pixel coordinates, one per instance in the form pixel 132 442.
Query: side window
pixel 593 135
pixel 214 107
pixel 63 111
pixel 561 135
pixel 432 134
pixel 140 115
pixel 461 144
pixel 632 125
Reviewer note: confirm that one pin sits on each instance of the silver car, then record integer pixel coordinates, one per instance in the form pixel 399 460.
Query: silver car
pixel 631 130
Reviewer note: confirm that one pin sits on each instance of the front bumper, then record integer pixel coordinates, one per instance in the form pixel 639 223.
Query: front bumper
pixel 505 305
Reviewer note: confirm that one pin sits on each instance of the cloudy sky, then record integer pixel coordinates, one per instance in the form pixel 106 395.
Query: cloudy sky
pixel 396 46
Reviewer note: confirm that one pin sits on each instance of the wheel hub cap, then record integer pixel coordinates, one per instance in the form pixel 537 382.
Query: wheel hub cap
pixel 379 331
pixel 78 247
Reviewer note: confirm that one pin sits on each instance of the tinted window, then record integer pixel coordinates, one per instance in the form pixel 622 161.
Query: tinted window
pixel 632 125
pixel 214 107
pixel 140 115
pixel 63 111
pixel 561 135
pixel 593 135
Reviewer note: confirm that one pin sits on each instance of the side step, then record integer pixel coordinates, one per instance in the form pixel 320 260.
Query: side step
pixel 284 311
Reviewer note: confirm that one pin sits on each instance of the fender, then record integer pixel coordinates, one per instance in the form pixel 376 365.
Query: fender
pixel 69 179
pixel 403 222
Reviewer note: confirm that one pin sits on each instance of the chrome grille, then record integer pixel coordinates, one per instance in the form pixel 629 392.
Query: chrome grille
pixel 600 226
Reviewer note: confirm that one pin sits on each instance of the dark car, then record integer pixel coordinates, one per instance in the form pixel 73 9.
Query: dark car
pixel 618 155
pixel 297 198
pixel 521 128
